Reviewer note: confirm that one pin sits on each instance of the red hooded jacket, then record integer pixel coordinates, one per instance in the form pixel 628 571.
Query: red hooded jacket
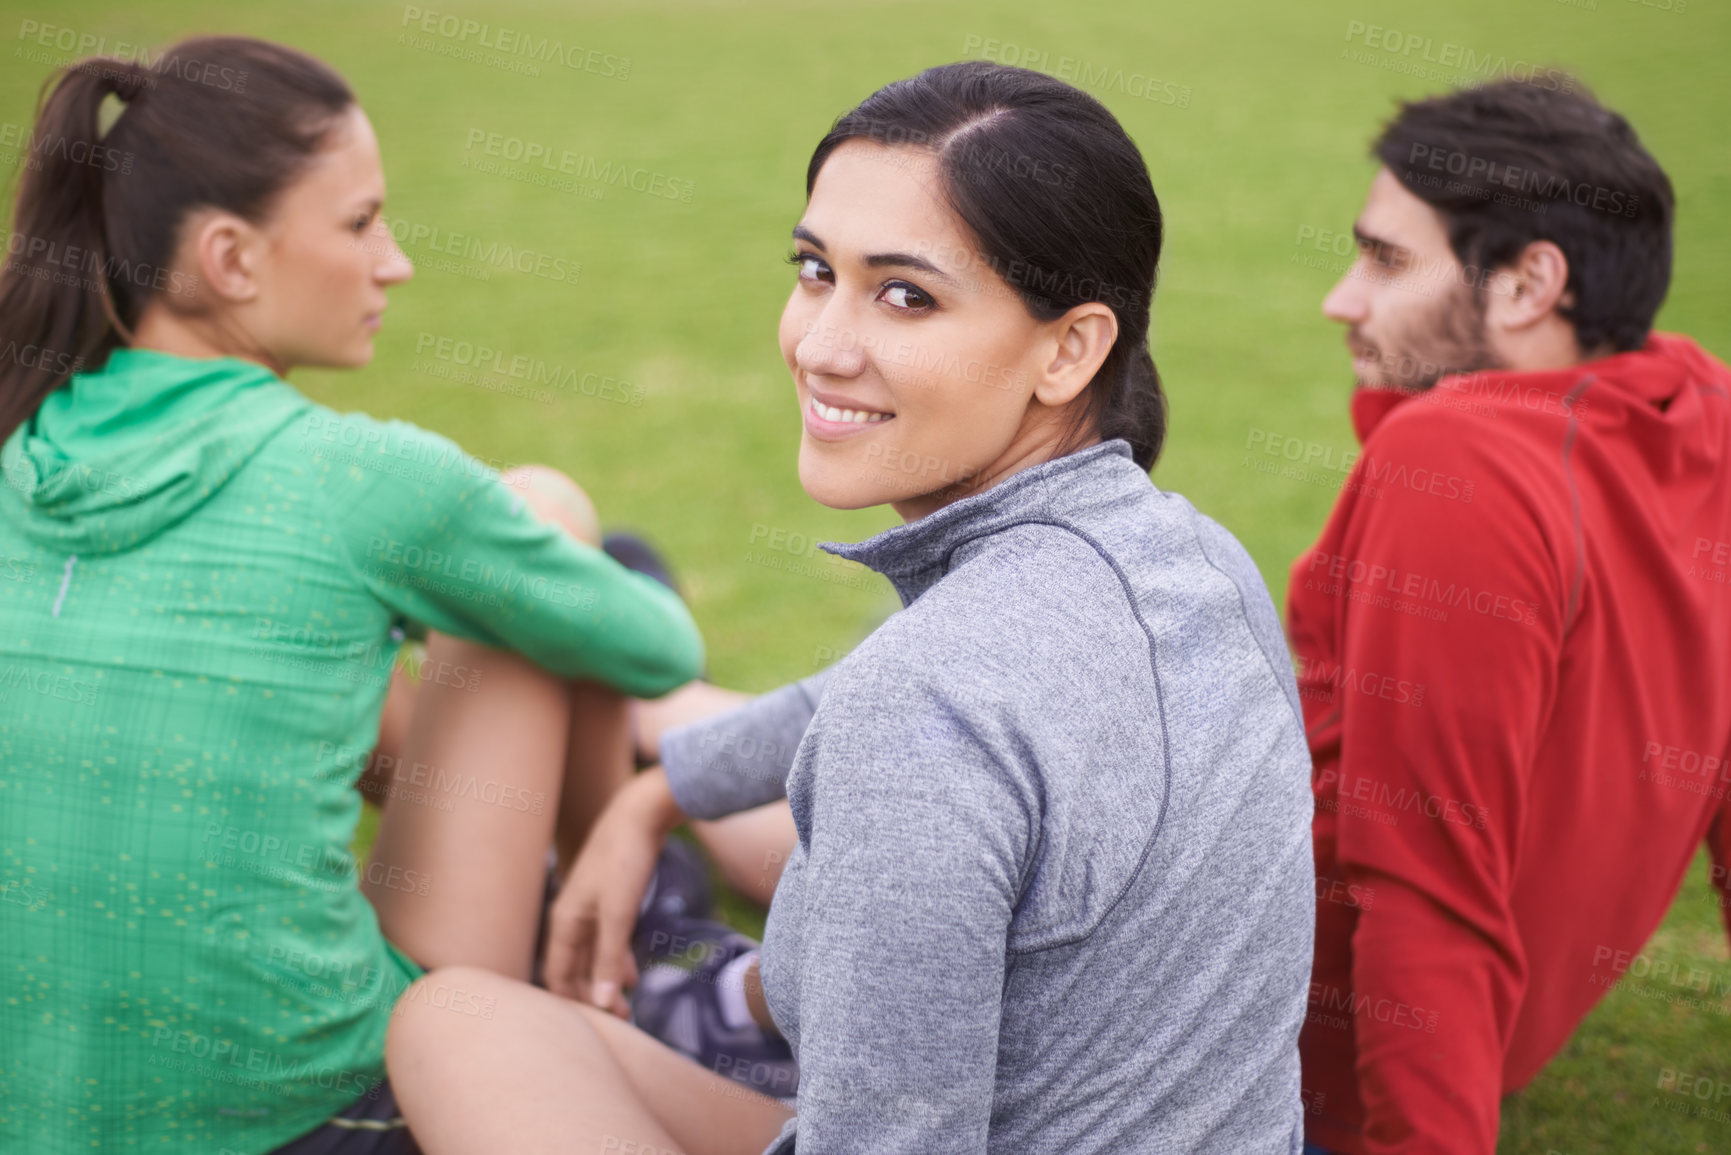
pixel 1514 651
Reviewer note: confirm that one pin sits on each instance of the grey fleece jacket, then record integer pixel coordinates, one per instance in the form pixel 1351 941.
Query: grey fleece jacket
pixel 1053 890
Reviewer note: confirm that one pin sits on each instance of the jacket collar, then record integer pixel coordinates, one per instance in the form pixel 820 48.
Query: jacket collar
pixel 915 555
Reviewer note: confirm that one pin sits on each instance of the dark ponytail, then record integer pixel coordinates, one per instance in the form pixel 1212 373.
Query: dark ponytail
pixel 1059 200
pixel 218 122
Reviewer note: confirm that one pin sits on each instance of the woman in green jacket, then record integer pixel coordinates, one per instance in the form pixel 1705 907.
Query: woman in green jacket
pixel 207 578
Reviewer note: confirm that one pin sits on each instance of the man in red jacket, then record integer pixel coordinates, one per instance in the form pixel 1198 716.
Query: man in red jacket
pixel 1514 634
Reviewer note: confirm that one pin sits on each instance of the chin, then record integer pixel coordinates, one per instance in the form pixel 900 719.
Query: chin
pixel 361 355
pixel 837 484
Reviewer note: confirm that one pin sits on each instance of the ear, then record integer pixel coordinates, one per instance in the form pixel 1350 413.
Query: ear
pixel 228 250
pixel 1081 340
pixel 1528 289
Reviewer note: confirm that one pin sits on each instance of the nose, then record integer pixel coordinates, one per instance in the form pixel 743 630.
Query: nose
pixel 1347 302
pixel 830 348
pixel 394 266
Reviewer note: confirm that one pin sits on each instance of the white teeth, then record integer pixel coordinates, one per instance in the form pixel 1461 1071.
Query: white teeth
pixel 856 416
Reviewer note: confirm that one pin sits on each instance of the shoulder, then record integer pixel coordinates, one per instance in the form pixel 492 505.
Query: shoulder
pixel 1463 500
pixel 981 645
pixel 357 434
pixel 1048 566
pixel 378 456
pixel 1215 547
pixel 1008 592
pixel 1440 459
pixel 393 487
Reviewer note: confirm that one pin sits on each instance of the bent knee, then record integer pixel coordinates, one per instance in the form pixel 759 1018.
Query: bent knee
pixel 554 497
pixel 459 1010
pixel 440 1001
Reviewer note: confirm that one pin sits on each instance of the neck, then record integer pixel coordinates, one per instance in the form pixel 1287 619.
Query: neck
pixel 1551 345
pixel 197 338
pixel 1034 444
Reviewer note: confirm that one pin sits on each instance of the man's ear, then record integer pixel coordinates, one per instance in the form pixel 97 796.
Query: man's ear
pixel 1081 341
pixel 1529 289
pixel 227 250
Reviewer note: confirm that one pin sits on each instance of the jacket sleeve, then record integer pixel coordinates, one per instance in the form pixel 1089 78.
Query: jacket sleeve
pixel 1455 587
pixel 437 538
pixel 740 759
pixel 915 843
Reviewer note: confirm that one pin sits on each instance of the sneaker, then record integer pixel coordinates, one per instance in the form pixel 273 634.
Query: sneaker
pixel 679 1005
pixel 678 892
pixel 635 553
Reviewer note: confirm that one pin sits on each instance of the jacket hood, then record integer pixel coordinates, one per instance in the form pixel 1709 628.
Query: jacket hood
pixel 113 458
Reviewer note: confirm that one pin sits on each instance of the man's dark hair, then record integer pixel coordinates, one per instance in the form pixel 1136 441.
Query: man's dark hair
pixel 1514 162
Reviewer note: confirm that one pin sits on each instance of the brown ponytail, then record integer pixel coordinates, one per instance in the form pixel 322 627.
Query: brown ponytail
pixel 219 122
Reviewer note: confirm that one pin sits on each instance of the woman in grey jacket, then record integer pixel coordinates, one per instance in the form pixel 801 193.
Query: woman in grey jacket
pixel 1052 889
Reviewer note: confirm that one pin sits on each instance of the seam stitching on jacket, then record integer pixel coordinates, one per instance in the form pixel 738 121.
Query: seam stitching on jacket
pixel 1244 614
pixel 1159 701
pixel 1574 602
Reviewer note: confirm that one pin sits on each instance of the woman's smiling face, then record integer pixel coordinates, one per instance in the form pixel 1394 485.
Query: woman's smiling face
pixel 921 375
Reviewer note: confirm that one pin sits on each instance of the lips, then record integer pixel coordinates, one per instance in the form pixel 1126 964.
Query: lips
pixel 854 416
pixel 831 417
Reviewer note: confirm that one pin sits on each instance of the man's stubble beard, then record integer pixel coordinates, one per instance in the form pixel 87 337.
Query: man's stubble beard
pixel 1449 338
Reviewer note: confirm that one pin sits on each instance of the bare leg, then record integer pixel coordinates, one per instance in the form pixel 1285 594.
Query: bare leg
pixel 598 752
pixel 750 848
pixel 457 873
pixel 597 763
pixel 555 1076
pixel 387 753
pixel 502 754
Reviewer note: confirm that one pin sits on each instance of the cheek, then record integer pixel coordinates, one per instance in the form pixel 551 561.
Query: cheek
pixel 985 381
pixel 1383 312
pixel 325 291
pixel 957 419
pixel 1403 315
pixel 319 279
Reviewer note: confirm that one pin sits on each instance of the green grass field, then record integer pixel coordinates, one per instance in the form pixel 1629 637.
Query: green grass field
pixel 1256 134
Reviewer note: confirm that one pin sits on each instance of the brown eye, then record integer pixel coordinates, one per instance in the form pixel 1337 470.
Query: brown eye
pixel 811 267
pixel 901 295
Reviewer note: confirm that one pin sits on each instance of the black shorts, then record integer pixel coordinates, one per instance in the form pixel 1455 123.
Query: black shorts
pixel 372 1125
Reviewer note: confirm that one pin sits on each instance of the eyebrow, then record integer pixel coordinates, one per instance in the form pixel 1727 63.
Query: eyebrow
pixel 881 260
pixel 1365 238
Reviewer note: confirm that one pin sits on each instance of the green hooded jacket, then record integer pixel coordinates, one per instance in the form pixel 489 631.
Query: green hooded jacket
pixel 205 579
